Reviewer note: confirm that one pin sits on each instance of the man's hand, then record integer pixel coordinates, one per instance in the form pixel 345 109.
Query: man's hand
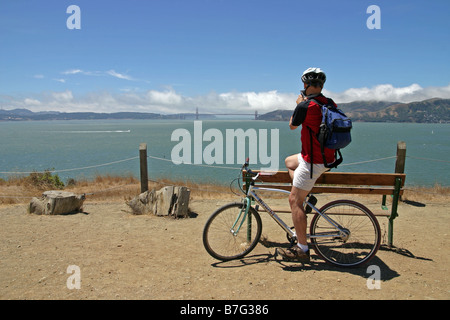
pixel 300 98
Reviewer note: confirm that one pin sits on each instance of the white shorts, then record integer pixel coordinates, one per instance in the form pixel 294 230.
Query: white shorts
pixel 302 175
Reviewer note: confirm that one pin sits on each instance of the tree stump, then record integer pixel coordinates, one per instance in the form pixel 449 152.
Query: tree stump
pixel 181 202
pixel 168 201
pixel 57 202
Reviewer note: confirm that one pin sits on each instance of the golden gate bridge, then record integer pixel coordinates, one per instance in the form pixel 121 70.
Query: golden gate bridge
pixel 197 114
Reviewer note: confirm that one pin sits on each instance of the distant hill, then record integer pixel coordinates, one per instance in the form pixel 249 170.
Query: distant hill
pixel 428 111
pixel 27 115
pixel 277 115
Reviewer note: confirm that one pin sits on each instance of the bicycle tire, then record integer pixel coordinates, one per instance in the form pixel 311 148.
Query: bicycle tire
pixel 364 237
pixel 220 241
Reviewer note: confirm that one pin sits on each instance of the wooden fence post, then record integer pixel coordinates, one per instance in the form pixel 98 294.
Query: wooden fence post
pixel 399 168
pixel 401 156
pixel 143 166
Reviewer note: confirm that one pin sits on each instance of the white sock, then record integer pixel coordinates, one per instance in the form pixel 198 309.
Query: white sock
pixel 304 247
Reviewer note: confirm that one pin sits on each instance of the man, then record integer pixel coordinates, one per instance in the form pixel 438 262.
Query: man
pixel 308 114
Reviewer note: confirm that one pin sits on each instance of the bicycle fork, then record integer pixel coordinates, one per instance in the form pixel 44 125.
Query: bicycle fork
pixel 243 214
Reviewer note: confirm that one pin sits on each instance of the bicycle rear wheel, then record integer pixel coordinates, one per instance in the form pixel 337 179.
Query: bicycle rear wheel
pixel 360 241
pixel 229 234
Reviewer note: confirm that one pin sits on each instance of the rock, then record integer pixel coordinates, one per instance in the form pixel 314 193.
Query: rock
pixel 181 202
pixel 168 201
pixel 57 202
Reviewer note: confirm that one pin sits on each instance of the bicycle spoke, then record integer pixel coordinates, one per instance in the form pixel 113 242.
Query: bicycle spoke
pixel 230 233
pixel 361 234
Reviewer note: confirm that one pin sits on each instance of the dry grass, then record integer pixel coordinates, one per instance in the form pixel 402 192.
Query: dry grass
pixel 437 193
pixel 18 190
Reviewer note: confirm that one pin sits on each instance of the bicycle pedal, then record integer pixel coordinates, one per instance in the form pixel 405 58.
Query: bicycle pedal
pixel 313 201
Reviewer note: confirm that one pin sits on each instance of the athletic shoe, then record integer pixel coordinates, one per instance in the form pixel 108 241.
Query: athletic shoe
pixel 295 254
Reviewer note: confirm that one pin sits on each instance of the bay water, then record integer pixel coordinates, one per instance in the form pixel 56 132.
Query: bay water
pixel 85 148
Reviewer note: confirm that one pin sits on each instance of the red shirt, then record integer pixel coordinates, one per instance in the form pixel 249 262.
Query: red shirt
pixel 309 115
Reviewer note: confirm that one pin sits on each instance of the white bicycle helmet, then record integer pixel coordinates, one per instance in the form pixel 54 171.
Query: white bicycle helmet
pixel 314 74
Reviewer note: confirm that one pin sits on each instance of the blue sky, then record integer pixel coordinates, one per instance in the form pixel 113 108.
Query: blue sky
pixel 175 55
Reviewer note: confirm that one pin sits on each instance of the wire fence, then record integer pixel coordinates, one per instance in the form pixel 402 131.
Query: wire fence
pixel 190 164
pixel 73 169
pixel 200 165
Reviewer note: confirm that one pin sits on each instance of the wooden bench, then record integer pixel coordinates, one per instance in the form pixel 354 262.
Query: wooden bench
pixel 346 183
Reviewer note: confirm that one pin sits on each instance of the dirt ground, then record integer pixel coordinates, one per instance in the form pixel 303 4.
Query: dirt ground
pixel 123 256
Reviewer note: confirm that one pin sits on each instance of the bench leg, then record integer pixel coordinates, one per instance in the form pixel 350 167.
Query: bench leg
pixel 383 203
pixel 394 213
pixel 391 232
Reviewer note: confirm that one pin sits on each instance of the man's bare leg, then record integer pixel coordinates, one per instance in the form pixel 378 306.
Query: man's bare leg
pixel 296 199
pixel 296 253
pixel 291 163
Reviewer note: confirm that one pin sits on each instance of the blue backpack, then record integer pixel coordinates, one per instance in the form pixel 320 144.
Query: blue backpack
pixel 334 131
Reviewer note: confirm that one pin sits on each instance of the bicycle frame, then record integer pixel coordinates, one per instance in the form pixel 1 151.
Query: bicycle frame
pixel 329 230
pixel 251 194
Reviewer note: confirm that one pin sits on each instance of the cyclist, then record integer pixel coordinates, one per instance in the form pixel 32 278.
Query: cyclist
pixel 307 114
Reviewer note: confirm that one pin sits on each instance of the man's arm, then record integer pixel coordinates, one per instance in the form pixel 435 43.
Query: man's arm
pixel 299 113
pixel 292 126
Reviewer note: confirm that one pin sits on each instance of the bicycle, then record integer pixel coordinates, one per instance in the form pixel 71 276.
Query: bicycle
pixel 344 233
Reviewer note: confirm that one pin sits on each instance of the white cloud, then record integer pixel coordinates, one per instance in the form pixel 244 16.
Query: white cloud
pixel 387 92
pixel 168 101
pixel 65 96
pixel 31 102
pixel 118 75
pixel 165 98
pixel 111 73
pixel 261 101
pixel 72 71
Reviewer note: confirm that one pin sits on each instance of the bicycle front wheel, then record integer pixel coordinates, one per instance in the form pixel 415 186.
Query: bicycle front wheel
pixel 359 241
pixel 230 234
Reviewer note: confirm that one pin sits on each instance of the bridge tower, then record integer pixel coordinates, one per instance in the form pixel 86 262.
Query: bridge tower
pixel 256 114
pixel 196 113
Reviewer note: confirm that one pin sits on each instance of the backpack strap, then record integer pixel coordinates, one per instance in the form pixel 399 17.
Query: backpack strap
pixel 311 144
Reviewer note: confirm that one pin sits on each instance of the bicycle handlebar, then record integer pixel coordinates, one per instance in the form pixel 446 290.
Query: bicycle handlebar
pixel 245 167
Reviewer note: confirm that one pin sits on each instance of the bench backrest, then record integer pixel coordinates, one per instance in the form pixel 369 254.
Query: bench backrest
pixel 340 182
